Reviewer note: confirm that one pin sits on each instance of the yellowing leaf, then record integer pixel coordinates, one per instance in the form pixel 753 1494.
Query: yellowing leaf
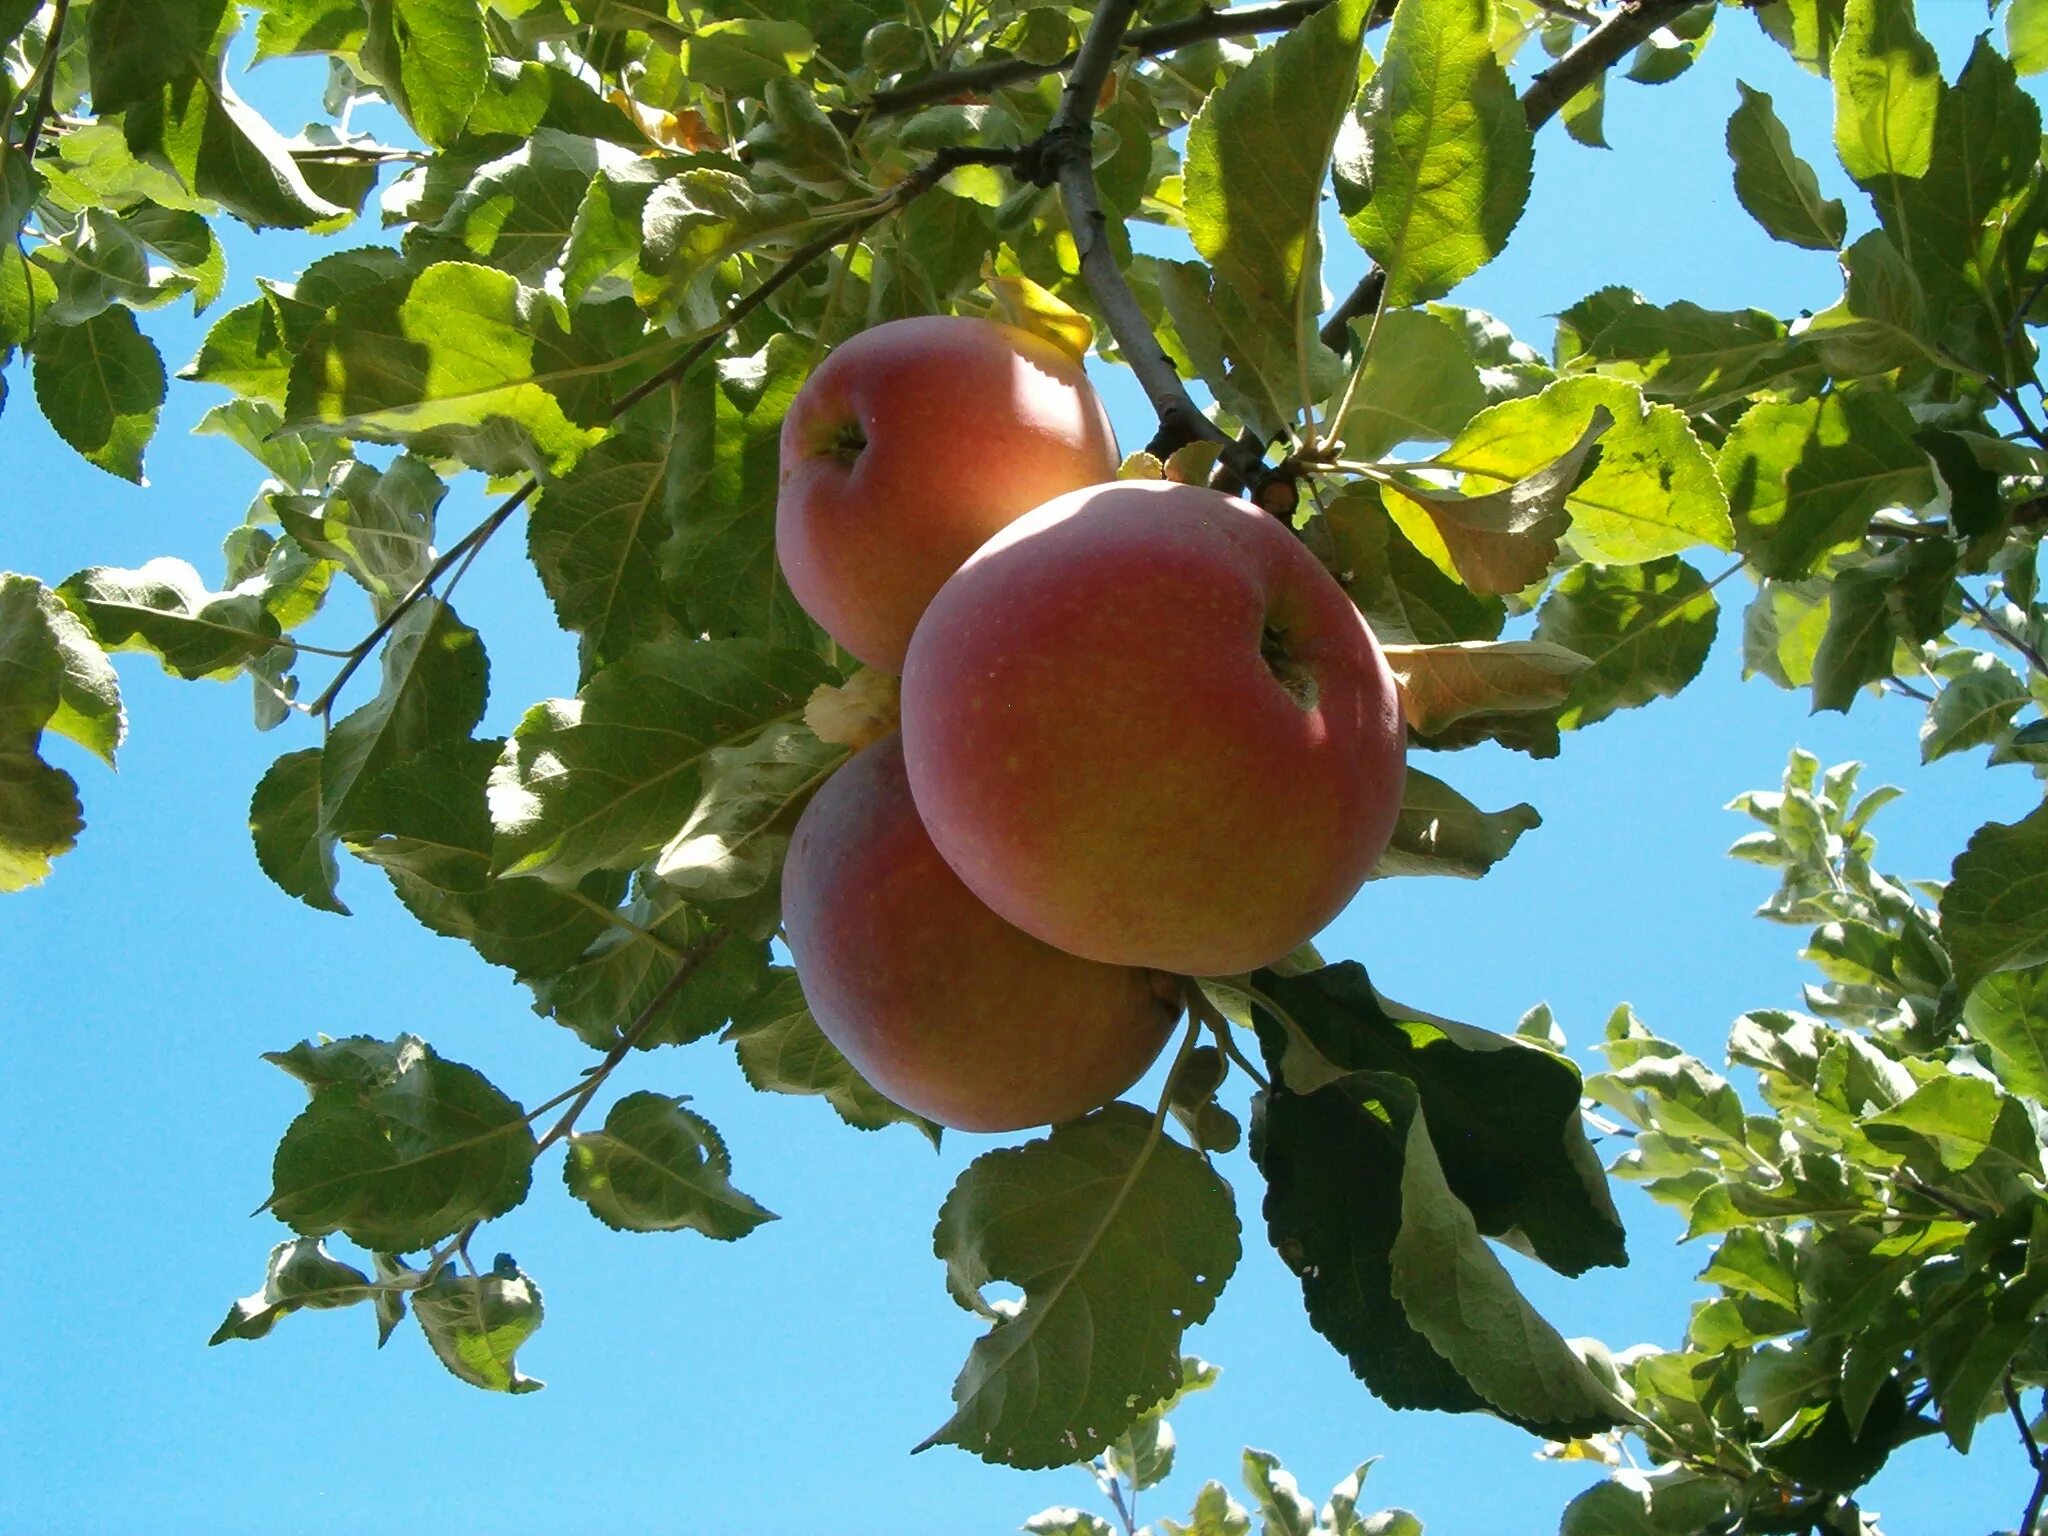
pixel 859 711
pixel 1442 684
pixel 1024 304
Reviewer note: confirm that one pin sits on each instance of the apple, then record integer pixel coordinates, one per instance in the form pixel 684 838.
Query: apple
pixel 939 1003
pixel 908 447
pixel 1144 724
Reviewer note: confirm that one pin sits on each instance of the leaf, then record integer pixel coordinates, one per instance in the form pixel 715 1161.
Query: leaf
pixel 459 347
pixel 377 525
pixel 1962 1117
pixel 101 384
pixel 40 817
pixel 436 682
pixel 164 608
pixel 302 1275
pixel 606 778
pixel 657 1167
pixel 1505 1114
pixel 1065 1520
pixel 859 713
pixel 725 469
pixel 782 1050
pixel 519 210
pixel 1440 832
pixel 630 967
pixel 400 1152
pixel 743 56
pixel 1121 1240
pixel 52 673
pixel 1273 1488
pixel 1782 631
pixel 1443 684
pixel 2026 35
pixel 292 845
pixel 1994 912
pixel 1696 358
pixel 2007 1013
pixel 1216 1513
pixel 594 535
pixel 1458 1295
pixel 1257 155
pixel 424 822
pixel 431 58
pixel 220 148
pixel 1445 169
pixel 1645 631
pixel 1972 709
pixel 476 1323
pixel 1416 383
pixel 1402 593
pixel 1024 304
pixel 1777 187
pixel 733 843
pixel 1887 89
pixel 1804 478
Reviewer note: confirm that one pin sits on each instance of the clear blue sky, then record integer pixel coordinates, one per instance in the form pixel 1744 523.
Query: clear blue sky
pixel 777 1384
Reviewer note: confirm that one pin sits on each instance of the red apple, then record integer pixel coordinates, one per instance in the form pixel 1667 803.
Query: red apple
pixel 938 1002
pixel 907 448
pixel 1145 726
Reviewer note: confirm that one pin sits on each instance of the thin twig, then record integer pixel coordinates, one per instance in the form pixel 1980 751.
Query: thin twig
pixel 690 964
pixel 46 89
pixel 1991 621
pixel 2036 1458
pixel 1217 1025
pixel 2012 402
pixel 1597 52
pixel 1144 42
pixel 1899 685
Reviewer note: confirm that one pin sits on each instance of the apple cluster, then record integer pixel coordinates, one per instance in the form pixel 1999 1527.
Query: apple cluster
pixel 1144 736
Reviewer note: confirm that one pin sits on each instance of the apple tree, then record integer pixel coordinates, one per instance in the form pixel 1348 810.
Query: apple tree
pixel 594 257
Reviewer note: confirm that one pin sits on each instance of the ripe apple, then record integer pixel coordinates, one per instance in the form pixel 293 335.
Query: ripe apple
pixel 1145 726
pixel 941 1004
pixel 907 448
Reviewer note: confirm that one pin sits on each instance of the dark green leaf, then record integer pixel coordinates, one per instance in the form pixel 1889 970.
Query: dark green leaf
pixel 657 1167
pixel 40 817
pixel 401 1152
pixel 1645 629
pixel 1121 1239
pixel 431 57
pixel 52 674
pixel 1973 708
pixel 1440 832
pixel 782 1050
pixel 1405 596
pixel 629 968
pixel 101 384
pixel 518 211
pixel 302 1275
pixel 219 147
pixel 136 47
pixel 593 536
pixel 292 845
pixel 165 609
pixel 1777 187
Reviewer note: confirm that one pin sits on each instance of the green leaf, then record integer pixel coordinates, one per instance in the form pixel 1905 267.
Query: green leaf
pixel 377 525
pixel 1065 1520
pixel 724 471
pixel 1695 357
pixel 220 148
pixel 2008 1014
pixel 1402 592
pixel 606 778
pixel 1646 631
pixel 1972 709
pixel 292 845
pixel 782 1050
pixel 1216 1513
pixel 2026 35
pixel 424 822
pixel 1458 1295
pixel 1805 478
pixel 1440 832
pixel 1417 383
pixel 1962 1117
pixel 436 680
pixel 289 27
pixel 476 1323
pixel 1505 1114
pixel 1283 1510
pixel 1873 609
pixel 136 47
pixel 594 535
pixel 1257 155
pixel 400 1150
pixel 1887 90
pixel 734 841
pixel 1782 631
pixel 301 1276
pixel 1445 171
pixel 40 817
pixel 743 56
pixel 657 1167
pixel 246 351
pixel 1777 187
pixel 101 384
pixel 518 211
pixel 431 58
pixel 1444 684
pixel 459 348
pixel 166 610
pixel 630 967
pixel 52 673
pixel 1994 912
pixel 1121 1239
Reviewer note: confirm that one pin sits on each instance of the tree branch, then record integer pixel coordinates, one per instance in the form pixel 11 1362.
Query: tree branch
pixel 1595 54
pixel 2036 1458
pixel 46 87
pixel 1143 42
pixel 1066 154
pixel 1990 621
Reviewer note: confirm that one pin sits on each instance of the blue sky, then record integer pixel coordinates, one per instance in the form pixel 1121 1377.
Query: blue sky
pixel 778 1383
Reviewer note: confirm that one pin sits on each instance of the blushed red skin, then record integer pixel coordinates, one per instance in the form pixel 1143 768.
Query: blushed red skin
pixel 939 1003
pixel 969 424
pixel 1104 755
